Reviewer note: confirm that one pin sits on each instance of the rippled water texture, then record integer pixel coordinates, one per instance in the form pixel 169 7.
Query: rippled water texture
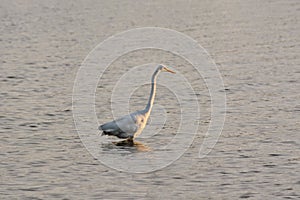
pixel 255 45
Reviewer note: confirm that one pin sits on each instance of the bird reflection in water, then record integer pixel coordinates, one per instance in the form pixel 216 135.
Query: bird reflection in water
pixel 127 145
pixel 140 147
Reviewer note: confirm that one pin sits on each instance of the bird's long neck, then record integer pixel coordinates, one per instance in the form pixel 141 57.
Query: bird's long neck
pixel 153 91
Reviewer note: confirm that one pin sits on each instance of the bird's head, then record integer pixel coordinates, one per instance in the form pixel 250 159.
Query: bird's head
pixel 163 68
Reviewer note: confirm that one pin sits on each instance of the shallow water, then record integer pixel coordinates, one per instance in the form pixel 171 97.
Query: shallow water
pixel 255 45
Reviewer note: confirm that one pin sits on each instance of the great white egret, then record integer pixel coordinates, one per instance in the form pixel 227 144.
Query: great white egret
pixel 130 126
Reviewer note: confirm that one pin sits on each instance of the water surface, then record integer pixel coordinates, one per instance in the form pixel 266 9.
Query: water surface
pixel 254 44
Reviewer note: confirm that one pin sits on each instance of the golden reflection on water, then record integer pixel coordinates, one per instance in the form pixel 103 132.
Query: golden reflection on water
pixel 134 145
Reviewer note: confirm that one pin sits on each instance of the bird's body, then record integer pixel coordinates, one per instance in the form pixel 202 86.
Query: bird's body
pixel 130 126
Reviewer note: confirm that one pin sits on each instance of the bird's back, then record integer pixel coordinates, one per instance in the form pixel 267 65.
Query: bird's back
pixel 127 126
pixel 124 127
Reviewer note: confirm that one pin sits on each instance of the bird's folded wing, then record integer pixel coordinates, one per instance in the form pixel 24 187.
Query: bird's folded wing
pixel 125 124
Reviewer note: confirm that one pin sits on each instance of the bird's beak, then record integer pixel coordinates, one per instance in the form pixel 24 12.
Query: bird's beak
pixel 168 70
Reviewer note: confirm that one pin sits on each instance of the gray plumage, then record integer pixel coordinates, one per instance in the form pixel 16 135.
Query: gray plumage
pixel 130 126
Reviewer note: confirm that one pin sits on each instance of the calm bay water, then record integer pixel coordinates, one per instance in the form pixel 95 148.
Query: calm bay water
pixel 256 47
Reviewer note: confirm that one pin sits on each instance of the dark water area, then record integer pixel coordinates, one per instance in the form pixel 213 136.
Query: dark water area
pixel 255 45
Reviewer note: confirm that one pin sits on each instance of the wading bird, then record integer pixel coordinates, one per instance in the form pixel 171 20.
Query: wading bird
pixel 130 126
